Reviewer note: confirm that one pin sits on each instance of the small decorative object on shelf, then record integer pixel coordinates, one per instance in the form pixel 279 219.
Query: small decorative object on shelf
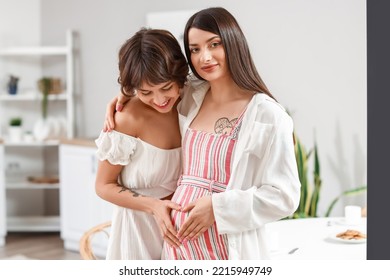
pixel 50 85
pixel 28 137
pixel 47 127
pixel 16 121
pixel 43 180
pixel 15 129
pixel 44 85
pixel 12 85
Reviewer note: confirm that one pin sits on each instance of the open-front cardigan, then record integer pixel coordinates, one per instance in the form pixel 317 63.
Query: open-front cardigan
pixel 264 185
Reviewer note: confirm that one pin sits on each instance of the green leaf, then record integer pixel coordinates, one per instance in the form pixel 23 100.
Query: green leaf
pixel 317 183
pixel 45 85
pixel 301 158
pixel 354 191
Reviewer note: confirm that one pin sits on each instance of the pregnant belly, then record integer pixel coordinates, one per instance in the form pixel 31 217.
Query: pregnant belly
pixel 184 195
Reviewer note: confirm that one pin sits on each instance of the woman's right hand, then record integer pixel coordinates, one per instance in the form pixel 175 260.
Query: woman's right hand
pixel 116 104
pixel 161 211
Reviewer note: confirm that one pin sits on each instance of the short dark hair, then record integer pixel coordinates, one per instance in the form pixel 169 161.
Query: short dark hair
pixel 153 56
pixel 219 21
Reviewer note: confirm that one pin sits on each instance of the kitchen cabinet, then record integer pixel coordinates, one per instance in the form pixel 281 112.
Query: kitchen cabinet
pixel 81 208
pixel 29 185
pixel 29 169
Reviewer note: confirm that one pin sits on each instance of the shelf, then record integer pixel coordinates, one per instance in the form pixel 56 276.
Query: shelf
pixel 46 143
pixel 33 96
pixel 25 185
pixel 33 223
pixel 39 197
pixel 34 51
pixel 31 93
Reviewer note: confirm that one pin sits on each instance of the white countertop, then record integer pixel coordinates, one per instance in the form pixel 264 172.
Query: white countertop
pixel 53 142
pixel 79 142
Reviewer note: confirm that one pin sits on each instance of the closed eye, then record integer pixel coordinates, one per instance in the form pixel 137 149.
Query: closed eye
pixel 167 88
pixel 144 92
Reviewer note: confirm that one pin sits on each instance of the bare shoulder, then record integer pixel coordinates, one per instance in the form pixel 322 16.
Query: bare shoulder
pixel 129 120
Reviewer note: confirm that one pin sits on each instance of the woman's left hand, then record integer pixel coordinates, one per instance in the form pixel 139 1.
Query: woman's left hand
pixel 199 220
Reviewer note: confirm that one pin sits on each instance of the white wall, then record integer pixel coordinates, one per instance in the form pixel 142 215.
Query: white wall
pixel 311 54
pixel 20 24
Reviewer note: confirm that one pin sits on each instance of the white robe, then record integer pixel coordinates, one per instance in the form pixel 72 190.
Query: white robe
pixel 264 185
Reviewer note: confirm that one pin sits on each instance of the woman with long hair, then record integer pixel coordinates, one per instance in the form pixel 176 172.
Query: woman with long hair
pixel 239 167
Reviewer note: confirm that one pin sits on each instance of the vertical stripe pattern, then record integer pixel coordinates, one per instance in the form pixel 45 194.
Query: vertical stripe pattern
pixel 207 160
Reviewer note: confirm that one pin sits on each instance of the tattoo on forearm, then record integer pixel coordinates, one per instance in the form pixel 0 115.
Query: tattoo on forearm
pixel 135 194
pixel 123 189
pixel 224 126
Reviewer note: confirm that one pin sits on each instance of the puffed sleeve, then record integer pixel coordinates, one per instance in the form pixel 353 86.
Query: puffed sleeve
pixel 115 147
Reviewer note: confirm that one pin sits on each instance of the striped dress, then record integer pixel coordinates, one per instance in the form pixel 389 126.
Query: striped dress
pixel 207 160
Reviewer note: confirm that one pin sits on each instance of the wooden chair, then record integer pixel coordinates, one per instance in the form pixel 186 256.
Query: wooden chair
pixel 86 250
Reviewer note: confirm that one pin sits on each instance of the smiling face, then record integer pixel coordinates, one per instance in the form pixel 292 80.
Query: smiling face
pixel 161 97
pixel 207 54
pixel 152 57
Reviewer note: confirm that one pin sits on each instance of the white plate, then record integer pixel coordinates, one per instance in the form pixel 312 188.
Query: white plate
pixel 333 237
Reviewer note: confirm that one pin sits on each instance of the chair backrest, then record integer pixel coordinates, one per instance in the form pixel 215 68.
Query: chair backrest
pixel 86 250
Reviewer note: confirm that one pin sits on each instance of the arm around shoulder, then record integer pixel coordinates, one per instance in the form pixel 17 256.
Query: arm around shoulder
pixel 127 121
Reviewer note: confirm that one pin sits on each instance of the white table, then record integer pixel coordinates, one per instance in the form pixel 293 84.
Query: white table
pixel 312 237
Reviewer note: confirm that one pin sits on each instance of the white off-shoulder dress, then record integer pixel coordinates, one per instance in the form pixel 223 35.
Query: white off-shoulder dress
pixel 149 171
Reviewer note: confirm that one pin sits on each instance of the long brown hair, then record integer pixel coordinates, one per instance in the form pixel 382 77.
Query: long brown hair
pixel 239 60
pixel 153 56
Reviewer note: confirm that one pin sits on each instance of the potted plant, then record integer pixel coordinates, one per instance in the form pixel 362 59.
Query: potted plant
pixel 310 192
pixel 44 85
pixel 16 121
pixel 15 129
pixel 45 127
